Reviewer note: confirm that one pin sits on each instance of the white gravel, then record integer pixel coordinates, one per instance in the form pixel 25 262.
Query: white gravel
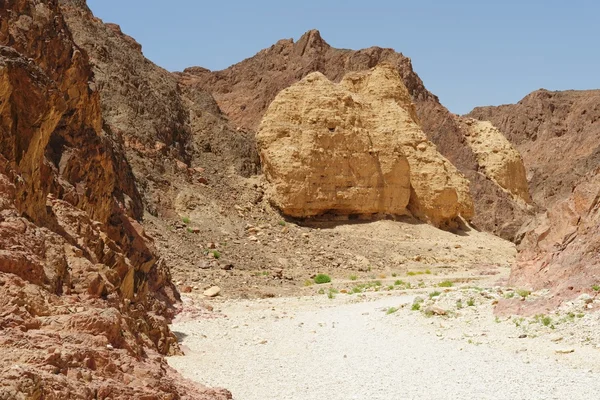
pixel 316 348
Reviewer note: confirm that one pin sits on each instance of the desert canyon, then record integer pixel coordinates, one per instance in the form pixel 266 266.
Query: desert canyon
pixel 195 234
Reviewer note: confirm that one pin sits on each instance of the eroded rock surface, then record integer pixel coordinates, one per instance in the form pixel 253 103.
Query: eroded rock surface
pixel 356 148
pixel 84 301
pixel 558 135
pixel 498 159
pixel 172 136
pixel 562 251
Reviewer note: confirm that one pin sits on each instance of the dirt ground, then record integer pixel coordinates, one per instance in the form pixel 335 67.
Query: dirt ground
pixel 227 234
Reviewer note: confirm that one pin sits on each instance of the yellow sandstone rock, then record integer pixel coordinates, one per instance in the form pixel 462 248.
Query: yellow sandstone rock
pixel 500 161
pixel 356 148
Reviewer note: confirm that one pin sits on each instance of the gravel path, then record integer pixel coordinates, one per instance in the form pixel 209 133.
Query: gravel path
pixel 315 348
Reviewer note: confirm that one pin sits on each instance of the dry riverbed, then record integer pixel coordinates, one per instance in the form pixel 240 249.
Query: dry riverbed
pixel 381 346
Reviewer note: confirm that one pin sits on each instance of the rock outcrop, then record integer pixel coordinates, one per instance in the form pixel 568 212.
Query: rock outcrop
pixel 84 301
pixel 497 158
pixel 356 148
pixel 562 251
pixel 558 134
pixel 245 90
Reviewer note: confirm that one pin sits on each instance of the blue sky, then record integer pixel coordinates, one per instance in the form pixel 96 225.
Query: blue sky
pixel 468 52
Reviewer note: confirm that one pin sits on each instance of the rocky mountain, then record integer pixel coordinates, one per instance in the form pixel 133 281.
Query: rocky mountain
pixel 84 300
pixel 558 134
pixel 171 136
pixel 245 90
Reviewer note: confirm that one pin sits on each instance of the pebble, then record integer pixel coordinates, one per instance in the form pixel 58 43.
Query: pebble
pixel 212 291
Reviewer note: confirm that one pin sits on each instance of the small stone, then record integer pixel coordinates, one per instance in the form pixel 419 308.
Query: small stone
pixel 436 310
pixel 565 350
pixel 278 273
pixel 186 289
pixel 212 292
pixel 556 338
pixel 227 267
pixel 522 336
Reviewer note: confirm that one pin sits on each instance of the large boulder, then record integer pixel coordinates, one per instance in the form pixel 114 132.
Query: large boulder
pixel 356 148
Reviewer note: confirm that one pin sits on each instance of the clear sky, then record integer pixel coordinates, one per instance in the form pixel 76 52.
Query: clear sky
pixel 468 52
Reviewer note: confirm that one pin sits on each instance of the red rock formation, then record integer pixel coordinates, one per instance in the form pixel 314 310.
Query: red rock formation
pixel 84 303
pixel 558 134
pixel 245 90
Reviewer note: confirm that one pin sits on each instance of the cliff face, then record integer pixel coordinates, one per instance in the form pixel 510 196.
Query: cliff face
pixel 167 132
pixel 84 301
pixel 357 148
pixel 558 134
pixel 245 90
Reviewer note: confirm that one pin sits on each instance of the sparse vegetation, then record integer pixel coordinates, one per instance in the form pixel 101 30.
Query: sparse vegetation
pixel 416 306
pixel 471 302
pixel 509 295
pixel 332 292
pixel 322 278
pixel 428 272
pixel 545 320
pixel 411 273
pixel 446 284
pixel 308 282
pixel 186 220
pixel 434 294
pixel 523 293
pixel 216 254
pixel 281 223
pixel 353 277
pixel 391 310
pixel 189 230
pixel 596 288
pixel 459 304
pixel 394 274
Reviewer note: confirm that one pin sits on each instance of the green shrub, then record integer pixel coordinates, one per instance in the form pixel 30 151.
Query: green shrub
pixel 391 310
pixel 446 284
pixel 322 278
pixel 433 294
pixel 186 220
pixel 470 302
pixel 353 277
pixel 523 293
pixel 416 306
